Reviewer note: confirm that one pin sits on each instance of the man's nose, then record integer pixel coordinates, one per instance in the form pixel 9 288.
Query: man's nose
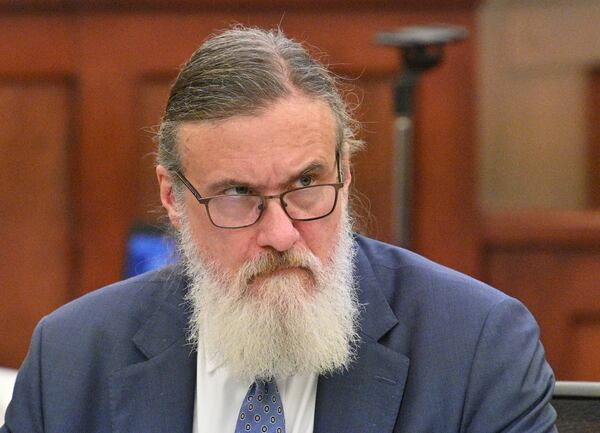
pixel 276 229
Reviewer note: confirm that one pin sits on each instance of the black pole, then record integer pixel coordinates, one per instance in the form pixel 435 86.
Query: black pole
pixel 421 48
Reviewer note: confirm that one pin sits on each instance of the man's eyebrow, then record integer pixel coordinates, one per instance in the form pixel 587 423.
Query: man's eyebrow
pixel 223 184
pixel 317 167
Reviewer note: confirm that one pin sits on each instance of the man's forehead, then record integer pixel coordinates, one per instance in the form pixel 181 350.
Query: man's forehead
pixel 294 130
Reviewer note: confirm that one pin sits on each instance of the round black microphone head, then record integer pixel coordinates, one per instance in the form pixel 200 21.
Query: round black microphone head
pixel 422 36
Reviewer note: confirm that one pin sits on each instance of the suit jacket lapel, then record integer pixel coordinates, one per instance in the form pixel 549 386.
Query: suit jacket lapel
pixel 157 395
pixel 366 398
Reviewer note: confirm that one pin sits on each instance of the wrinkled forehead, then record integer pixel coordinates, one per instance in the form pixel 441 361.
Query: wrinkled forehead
pixel 287 131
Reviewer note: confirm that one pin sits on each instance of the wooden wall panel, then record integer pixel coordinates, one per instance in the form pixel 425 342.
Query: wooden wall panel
pixel 34 45
pixel 584 359
pixel 153 93
pixel 558 278
pixel 194 5
pixel 446 215
pixel 373 167
pixel 593 168
pixel 36 247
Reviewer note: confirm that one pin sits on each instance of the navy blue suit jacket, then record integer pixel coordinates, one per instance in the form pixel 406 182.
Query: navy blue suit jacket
pixel 440 352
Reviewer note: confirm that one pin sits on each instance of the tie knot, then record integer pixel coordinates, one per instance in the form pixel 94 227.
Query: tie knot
pixel 262 410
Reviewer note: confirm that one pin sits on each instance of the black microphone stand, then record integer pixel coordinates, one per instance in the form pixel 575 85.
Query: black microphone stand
pixel 421 49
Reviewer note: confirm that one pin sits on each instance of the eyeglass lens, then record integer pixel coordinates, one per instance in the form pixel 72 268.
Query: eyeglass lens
pixel 310 202
pixel 300 204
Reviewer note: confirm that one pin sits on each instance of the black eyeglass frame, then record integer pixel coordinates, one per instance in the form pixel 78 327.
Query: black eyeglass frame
pixel 205 200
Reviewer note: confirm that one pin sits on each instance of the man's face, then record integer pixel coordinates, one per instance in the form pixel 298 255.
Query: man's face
pixel 289 281
pixel 289 145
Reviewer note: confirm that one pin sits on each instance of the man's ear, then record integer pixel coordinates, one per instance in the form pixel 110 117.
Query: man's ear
pixel 347 171
pixel 167 195
pixel 346 166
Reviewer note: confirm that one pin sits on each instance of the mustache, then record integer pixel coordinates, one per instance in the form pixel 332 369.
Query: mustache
pixel 272 261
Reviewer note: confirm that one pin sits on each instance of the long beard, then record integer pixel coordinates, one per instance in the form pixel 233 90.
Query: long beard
pixel 269 321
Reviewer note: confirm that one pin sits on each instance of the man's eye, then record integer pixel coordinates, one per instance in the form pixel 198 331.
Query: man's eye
pixel 237 190
pixel 305 180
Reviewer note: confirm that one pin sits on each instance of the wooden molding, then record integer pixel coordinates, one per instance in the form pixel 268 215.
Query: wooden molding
pixel 541 229
pixel 229 5
pixel 593 168
pixel 550 261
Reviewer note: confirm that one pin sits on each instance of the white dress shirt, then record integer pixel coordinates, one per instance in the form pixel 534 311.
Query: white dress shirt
pixel 219 397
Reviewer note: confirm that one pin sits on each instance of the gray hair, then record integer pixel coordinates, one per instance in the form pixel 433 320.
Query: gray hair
pixel 241 71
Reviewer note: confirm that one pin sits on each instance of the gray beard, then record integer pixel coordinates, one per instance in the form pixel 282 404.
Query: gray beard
pixel 301 322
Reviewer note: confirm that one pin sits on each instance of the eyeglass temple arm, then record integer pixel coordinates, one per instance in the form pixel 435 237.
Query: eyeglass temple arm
pixel 340 169
pixel 189 186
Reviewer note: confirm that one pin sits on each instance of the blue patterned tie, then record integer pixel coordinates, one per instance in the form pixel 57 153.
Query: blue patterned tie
pixel 262 410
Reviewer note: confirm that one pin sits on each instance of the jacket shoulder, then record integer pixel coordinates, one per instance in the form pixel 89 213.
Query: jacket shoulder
pixel 402 275
pixel 105 320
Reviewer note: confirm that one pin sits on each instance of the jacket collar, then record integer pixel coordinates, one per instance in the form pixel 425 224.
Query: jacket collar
pixel 158 394
pixel 365 398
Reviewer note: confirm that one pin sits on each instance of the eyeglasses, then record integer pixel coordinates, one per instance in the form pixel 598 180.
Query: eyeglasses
pixel 237 211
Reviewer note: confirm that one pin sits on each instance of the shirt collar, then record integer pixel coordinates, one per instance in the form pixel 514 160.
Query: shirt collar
pixel 212 363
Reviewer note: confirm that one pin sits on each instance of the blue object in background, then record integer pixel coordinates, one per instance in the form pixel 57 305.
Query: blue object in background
pixel 149 248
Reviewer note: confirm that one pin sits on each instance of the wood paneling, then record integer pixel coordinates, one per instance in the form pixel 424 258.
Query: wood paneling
pixel 593 168
pixel 152 95
pixel 36 248
pixel 254 5
pixel 374 198
pixel 446 217
pixel 552 264
pixel 538 229
pixel 583 359
pixel 37 45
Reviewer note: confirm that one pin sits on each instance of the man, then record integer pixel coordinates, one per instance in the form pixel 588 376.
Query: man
pixel 279 319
